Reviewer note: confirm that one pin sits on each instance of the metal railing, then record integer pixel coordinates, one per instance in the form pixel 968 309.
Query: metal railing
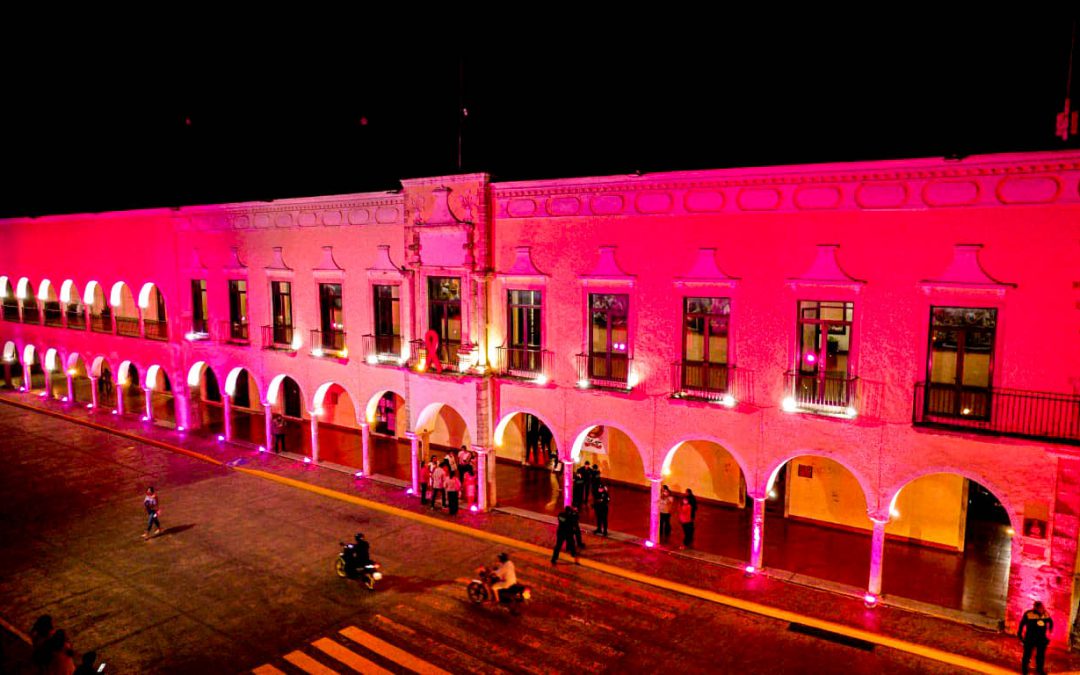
pixel 456 357
pixel 382 348
pixel 330 341
pixel 11 311
pixel 700 380
pixel 31 314
pixel 525 362
pixel 127 326
pixel 101 323
pixel 76 319
pixel 234 332
pixel 604 371
pixel 200 330
pixel 156 330
pixel 814 393
pixel 54 316
pixel 1003 412
pixel 277 337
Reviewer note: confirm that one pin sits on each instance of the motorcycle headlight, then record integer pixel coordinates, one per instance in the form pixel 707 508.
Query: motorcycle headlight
pixel 377 576
pixel 527 594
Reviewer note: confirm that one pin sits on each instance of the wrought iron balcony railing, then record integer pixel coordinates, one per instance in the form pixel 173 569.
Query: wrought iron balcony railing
pixel 831 394
pixel 11 311
pixel 1003 412
pixel 604 371
pixel 101 323
pixel 127 326
pixel 54 316
pixel 382 349
pixel 330 342
pixel 76 318
pixel 235 332
pixel 156 330
pixel 527 363
pixel 31 314
pixel 701 381
pixel 277 337
pixel 456 358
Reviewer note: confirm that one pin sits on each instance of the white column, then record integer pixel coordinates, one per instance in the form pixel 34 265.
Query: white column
pixel 314 436
pixel 654 508
pixel 757 533
pixel 877 554
pixel 414 448
pixel 149 394
pixel 365 448
pixel 48 383
pixel 70 385
pixel 182 396
pixel 568 481
pixel 268 425
pixel 94 392
pixel 482 478
pixel 226 401
pixel 119 399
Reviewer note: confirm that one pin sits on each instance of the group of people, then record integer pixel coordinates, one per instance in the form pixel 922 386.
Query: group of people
pixel 444 479
pixel 587 485
pixel 685 508
pixel 52 651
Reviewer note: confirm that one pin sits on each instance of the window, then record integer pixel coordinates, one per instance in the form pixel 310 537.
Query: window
pixel 961 364
pixel 444 315
pixel 238 310
pixel 199 313
pixel 608 336
pixel 705 344
pixel 281 299
pixel 524 330
pixel 822 377
pixel 387 319
pixel 331 317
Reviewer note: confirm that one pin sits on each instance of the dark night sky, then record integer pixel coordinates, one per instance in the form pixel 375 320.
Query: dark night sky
pixel 95 121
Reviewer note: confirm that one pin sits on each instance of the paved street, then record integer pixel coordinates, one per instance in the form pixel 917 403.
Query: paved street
pixel 241 579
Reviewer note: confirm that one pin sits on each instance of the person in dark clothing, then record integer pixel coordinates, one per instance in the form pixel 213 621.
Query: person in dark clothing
pixel 358 554
pixel 39 635
pixel 693 504
pixel 600 506
pixel 586 478
pixel 576 515
pixel 150 503
pixel 1034 632
pixel 594 480
pixel 87 665
pixel 277 424
pixel 565 535
pixel 686 519
pixel 667 503
pixel 579 489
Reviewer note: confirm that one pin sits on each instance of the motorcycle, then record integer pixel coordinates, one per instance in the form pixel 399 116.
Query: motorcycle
pixel 369 573
pixel 479 590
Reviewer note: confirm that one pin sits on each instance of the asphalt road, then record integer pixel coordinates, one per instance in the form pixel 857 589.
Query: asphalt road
pixel 242 578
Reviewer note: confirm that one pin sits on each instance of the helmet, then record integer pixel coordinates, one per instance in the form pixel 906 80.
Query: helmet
pixel 503 557
pixel 359 537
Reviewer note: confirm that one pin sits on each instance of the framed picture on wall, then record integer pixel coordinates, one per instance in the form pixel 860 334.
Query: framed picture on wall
pixel 1034 528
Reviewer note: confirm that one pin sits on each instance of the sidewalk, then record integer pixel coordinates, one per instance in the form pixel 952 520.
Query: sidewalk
pixel 622 552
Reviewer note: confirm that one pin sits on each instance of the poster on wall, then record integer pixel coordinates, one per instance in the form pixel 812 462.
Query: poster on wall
pixel 594 441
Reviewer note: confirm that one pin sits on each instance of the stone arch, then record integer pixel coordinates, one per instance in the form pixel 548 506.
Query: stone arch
pixel 162 402
pixel 386 413
pixel 11 352
pixel 80 378
pixel 277 394
pixel 702 477
pixel 892 492
pixel 338 426
pixel 234 375
pixel 579 441
pixel 101 312
pixel 152 309
pixel 125 309
pixel 500 428
pixel 31 312
pixel 372 406
pixel 23 290
pixel 774 470
pixel 452 433
pixel 736 455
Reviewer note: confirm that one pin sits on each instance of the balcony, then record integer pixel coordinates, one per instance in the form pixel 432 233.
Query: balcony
pixel 701 381
pixel 528 363
pixel 277 337
pixel 382 349
pixel 456 358
pixel 604 371
pixel 76 319
pixel 11 311
pixel 328 343
pixel 156 330
pixel 1001 412
pixel 54 316
pixel 200 331
pixel 127 326
pixel 31 314
pixel 235 332
pixel 101 323
pixel 828 395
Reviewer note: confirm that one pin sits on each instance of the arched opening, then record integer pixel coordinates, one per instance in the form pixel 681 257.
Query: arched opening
pixel 207 412
pixel 50 303
pixel 162 401
pixel 12 368
pixel 55 379
pixel 103 372
pixel 287 400
pixel 949 543
pixel 126 312
pixel 72 305
pixel 152 304
pixel 816 522
pixel 127 378
pixel 101 312
pixel 338 429
pixel 248 418
pixel 442 431
pixel 389 448
pixel 80 379
pixel 33 372
pixel 31 312
pixel 524 473
pixel 8 302
pixel 708 471
pixel 621 469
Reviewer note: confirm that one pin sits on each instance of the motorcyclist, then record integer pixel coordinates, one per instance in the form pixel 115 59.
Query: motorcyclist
pixel 503 576
pixel 359 554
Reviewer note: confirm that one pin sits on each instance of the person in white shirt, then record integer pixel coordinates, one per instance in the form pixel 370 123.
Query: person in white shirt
pixel 505 574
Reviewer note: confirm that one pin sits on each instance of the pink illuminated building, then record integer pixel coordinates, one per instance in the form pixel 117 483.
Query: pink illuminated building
pixel 868 373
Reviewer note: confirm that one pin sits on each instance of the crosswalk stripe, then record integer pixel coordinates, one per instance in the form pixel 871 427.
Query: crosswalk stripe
pixel 391 652
pixel 349 657
pixel 308 664
pixel 267 670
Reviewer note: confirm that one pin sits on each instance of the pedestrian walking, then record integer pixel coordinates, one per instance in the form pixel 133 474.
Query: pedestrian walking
pixel 425 480
pixel 576 514
pixel 1034 632
pixel 600 505
pixel 686 519
pixel 564 534
pixel 453 487
pixel 277 424
pixel 667 502
pixel 153 509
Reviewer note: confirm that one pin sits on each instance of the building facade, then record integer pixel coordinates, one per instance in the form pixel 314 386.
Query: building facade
pixel 888 350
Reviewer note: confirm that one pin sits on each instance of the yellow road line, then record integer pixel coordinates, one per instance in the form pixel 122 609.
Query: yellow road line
pixel 308 664
pixel 267 670
pixel 15 631
pixel 391 652
pixel 349 657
